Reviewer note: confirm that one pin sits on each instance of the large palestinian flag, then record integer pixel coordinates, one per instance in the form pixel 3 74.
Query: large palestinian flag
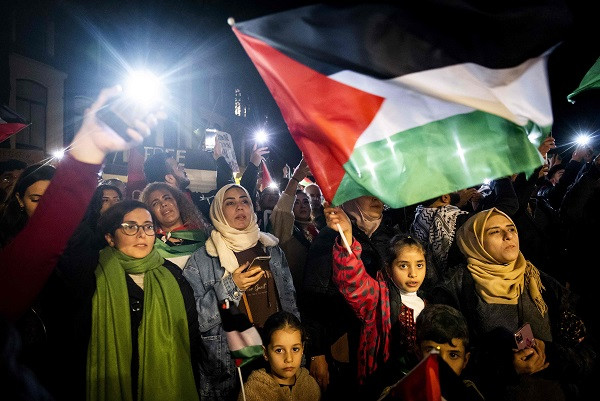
pixel 413 101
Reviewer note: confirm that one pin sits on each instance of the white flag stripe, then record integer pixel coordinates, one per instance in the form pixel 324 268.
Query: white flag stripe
pixel 518 94
pixel 239 340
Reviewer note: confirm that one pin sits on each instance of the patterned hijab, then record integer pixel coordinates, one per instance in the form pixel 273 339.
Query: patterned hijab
pixel 497 283
pixel 225 240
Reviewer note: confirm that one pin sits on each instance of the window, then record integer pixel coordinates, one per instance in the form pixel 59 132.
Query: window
pixel 32 99
pixel 240 108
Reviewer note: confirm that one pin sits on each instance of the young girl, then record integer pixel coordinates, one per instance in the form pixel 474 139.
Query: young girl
pixel 388 306
pixel 283 339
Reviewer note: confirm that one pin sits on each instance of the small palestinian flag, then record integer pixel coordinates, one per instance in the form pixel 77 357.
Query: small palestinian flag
pixel 10 122
pixel 266 179
pixel 420 384
pixel 412 100
pixel 243 339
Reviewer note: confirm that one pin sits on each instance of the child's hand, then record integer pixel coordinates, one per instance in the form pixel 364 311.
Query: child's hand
pixel 336 216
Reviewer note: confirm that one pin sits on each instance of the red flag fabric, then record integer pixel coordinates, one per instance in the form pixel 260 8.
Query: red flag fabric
pixel 136 181
pixel 266 177
pixel 10 123
pixel 420 384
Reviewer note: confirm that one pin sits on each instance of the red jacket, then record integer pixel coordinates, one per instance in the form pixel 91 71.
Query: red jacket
pixel 370 300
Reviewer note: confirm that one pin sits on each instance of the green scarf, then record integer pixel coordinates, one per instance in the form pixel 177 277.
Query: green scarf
pixel 165 367
pixel 169 251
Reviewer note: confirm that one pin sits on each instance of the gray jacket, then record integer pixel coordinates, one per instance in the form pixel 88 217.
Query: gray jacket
pixel 218 376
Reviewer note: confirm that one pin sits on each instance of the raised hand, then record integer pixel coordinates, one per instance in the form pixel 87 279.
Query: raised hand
pixel 258 154
pixel 546 145
pixel 95 140
pixel 335 216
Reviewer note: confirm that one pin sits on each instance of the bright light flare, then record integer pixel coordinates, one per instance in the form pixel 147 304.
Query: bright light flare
pixel 261 136
pixel 144 88
pixel 583 139
pixel 273 185
pixel 58 154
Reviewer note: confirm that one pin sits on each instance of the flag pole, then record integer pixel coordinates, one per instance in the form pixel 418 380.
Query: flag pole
pixel 242 382
pixel 346 244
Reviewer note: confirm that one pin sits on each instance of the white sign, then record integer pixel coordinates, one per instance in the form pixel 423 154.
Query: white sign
pixel 227 148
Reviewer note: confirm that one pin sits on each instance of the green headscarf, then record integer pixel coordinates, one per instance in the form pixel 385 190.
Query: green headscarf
pixel 165 367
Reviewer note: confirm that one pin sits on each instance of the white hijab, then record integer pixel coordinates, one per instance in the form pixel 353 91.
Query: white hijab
pixel 225 240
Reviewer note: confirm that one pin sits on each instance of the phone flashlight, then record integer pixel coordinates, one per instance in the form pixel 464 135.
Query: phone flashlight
pixel 142 94
pixel 210 139
pixel 261 136
pixel 583 140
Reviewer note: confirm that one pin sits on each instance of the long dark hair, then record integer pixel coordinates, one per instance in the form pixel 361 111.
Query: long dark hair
pixel 13 217
pixel 190 215
pixel 92 213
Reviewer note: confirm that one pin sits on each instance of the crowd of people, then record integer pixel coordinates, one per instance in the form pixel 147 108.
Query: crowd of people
pixel 108 298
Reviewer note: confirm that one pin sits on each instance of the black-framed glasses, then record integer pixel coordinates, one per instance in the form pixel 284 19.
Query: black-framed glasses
pixel 133 228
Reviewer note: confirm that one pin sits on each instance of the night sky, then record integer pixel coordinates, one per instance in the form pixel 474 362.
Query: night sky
pixel 167 33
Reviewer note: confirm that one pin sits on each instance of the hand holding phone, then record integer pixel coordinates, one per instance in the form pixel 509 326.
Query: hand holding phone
pixel 260 261
pixel 524 337
pixel 142 95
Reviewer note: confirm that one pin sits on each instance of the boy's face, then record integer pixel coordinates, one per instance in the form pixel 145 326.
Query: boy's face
pixel 454 355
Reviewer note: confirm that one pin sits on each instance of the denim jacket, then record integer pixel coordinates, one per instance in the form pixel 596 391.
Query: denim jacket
pixel 218 377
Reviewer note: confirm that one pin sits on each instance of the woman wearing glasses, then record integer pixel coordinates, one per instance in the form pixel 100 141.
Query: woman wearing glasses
pixel 128 320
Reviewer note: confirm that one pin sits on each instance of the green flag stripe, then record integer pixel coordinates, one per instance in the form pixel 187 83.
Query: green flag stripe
pixel 590 80
pixel 248 353
pixel 438 158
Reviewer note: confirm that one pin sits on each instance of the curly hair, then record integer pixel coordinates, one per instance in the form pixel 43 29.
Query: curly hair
pixel 190 215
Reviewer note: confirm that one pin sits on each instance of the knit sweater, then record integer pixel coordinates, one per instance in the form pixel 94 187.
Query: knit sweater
pixel 261 386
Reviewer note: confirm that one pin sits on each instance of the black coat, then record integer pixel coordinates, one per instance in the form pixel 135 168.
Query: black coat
pixel 57 329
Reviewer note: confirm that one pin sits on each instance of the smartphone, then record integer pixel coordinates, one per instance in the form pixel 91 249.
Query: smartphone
pixel 262 261
pixel 120 114
pixel 210 139
pixel 524 337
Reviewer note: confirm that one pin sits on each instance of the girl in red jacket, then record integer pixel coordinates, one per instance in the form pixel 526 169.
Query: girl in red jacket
pixel 388 305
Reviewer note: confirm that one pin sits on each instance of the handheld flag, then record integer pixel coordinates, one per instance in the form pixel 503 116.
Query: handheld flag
pixel 422 383
pixel 266 176
pixel 591 80
pixel 395 101
pixel 243 339
pixel 136 181
pixel 10 123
